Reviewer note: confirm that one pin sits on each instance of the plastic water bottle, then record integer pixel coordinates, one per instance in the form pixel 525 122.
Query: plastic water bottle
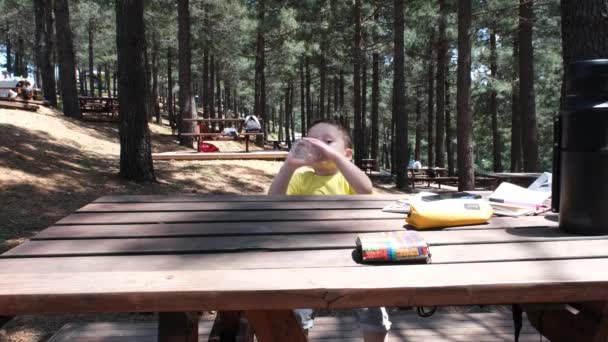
pixel 305 150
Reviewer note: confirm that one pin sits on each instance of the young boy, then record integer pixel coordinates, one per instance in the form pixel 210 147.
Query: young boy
pixel 335 175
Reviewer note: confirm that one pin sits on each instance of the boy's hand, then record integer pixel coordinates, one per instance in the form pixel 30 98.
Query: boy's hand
pixel 327 152
pixel 295 163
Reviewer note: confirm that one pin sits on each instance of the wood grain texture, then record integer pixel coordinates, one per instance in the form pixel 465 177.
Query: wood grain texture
pixel 342 287
pixel 178 327
pixel 275 326
pixel 220 155
pixel 228 206
pixel 227 216
pixel 240 198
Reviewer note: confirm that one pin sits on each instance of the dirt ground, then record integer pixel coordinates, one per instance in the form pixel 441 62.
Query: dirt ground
pixel 51 165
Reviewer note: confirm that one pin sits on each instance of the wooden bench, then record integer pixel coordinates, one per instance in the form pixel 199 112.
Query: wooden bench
pixel 369 165
pixel 103 105
pixel 480 327
pixel 222 136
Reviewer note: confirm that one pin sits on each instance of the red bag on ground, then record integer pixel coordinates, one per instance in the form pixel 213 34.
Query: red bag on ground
pixel 207 147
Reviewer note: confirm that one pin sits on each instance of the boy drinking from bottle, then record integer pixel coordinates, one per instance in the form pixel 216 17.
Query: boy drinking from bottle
pixel 327 149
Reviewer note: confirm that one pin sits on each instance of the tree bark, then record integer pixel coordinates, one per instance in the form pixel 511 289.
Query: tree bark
pixel 206 103
pixel 584 31
pixel 431 102
pixel 418 129
pixel 526 86
pixel 186 100
pixel 9 51
pixel 309 114
pixel 302 100
pixel 212 86
pixel 342 114
pixel 260 82
pixel 358 141
pixel 448 128
pixel 106 69
pixel 496 144
pixel 287 115
pixel 99 81
pixel 375 104
pixel 44 48
pixel 83 82
pixel 218 90
pixel 91 59
pixel 154 92
pixel 399 113
pixel 442 64
pixel 67 65
pixel 516 135
pixel 464 122
pixel 135 148
pixel 322 85
pixel 365 136
pixel 171 112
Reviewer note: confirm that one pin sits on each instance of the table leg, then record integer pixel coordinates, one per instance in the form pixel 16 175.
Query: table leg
pixel 246 143
pixel 275 326
pixel 226 326
pixel 178 327
pixel 601 334
pixel 4 320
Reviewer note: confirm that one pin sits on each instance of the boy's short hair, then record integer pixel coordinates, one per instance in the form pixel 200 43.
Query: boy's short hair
pixel 345 134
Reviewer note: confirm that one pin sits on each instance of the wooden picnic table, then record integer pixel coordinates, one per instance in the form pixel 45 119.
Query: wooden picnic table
pixel 217 134
pixel 266 255
pixel 520 178
pixel 107 105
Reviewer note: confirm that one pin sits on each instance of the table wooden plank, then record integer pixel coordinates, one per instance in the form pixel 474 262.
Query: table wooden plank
pixel 228 206
pixel 228 216
pixel 215 229
pixel 526 229
pixel 331 250
pixel 242 198
pixel 412 285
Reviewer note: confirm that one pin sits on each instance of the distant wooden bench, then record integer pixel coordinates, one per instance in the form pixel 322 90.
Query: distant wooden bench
pixel 103 105
pixel 369 165
pixel 405 327
pixel 222 136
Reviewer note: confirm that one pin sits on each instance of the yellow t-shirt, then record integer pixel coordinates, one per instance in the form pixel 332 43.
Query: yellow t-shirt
pixel 308 183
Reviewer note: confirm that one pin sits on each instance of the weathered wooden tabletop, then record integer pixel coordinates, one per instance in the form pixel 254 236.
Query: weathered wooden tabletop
pixel 190 253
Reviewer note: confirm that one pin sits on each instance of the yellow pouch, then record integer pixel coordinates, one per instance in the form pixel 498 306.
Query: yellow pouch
pixel 448 213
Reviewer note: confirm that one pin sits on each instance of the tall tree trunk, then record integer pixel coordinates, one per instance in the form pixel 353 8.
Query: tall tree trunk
pixel 281 121
pixel 322 85
pixel 212 86
pixel 67 65
pixel 418 128
pixel 115 81
pixel 206 103
pixel 154 95
pixel 309 115
pixel 218 89
pixel 496 148
pixel 9 51
pixel 330 88
pixel 83 82
pixel 365 137
pixel 464 122
pixel 302 100
pixel 399 113
pixel 171 112
pixel 375 104
pixel 358 141
pixel 584 31
pixel 431 102
pixel 106 69
pixel 526 86
pixel 148 73
pixel 99 81
pixel 186 99
pixel 260 81
pixel 516 135
pixel 292 118
pixel 442 64
pixel 336 96
pixel 17 63
pixel 44 48
pixel 91 59
pixel 135 148
pixel 342 113
pixel 287 116
pixel 449 147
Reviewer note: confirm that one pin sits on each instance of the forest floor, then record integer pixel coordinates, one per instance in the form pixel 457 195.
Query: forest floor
pixel 51 165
